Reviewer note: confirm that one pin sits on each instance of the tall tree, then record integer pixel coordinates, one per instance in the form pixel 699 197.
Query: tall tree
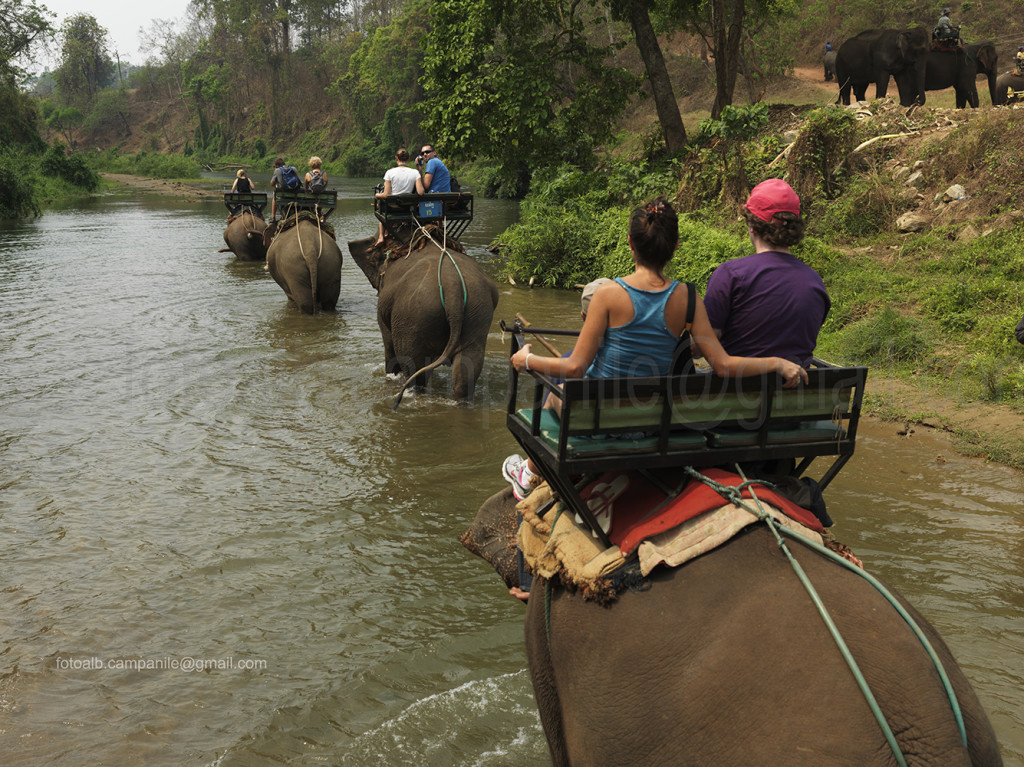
pixel 723 24
pixel 85 65
pixel 636 12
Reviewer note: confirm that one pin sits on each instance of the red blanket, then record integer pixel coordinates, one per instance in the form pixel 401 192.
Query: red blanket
pixel 641 509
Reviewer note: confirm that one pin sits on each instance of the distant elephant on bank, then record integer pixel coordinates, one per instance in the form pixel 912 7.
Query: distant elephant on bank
pixel 244 236
pixel 434 308
pixel 305 261
pixel 1009 88
pixel 830 65
pixel 725 661
pixel 960 68
pixel 876 54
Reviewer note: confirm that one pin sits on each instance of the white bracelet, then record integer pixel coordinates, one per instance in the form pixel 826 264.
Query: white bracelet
pixel 528 361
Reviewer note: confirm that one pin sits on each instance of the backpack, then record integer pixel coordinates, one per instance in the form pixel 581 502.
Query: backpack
pixel 290 177
pixel 317 182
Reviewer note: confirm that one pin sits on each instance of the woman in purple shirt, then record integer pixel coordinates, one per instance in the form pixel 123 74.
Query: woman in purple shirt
pixel 770 303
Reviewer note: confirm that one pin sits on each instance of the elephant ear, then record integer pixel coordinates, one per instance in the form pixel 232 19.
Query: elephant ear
pixel 268 234
pixel 903 45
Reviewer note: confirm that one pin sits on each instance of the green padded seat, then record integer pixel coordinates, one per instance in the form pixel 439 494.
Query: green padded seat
pixel 806 431
pixel 550 430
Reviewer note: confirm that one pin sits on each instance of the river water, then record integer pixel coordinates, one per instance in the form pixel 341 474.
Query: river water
pixel 219 544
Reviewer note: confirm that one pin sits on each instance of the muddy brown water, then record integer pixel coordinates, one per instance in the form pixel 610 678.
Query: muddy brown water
pixel 219 545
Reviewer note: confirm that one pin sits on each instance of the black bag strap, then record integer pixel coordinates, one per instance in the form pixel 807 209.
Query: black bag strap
pixel 682 358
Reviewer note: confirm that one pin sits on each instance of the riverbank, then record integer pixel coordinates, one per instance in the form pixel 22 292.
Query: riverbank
pixel 182 190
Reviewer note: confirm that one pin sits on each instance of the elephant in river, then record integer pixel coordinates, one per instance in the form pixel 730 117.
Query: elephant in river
pixel 725 661
pixel 434 307
pixel 830 65
pixel 876 54
pixel 1009 88
pixel 305 261
pixel 244 236
pixel 959 68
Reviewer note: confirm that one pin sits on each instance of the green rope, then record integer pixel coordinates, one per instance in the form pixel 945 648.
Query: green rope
pixel 440 262
pixel 733 495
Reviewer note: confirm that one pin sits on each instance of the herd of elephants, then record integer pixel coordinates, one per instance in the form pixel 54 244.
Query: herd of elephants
pixel 722 661
pixel 909 57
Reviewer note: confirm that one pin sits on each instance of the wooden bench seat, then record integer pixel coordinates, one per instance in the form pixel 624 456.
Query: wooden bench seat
pixel 690 420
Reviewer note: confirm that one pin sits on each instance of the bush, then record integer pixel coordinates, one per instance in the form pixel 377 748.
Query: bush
pixel 17 188
pixel 57 164
pixel 885 338
pixel 868 206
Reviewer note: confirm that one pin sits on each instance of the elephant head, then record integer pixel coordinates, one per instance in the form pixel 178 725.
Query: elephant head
pixel 986 60
pixel 368 259
pixel 914 45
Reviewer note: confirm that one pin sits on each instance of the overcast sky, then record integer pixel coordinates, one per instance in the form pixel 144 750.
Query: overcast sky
pixel 121 19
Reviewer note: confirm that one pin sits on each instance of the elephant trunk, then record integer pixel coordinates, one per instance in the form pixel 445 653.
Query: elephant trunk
pixel 455 311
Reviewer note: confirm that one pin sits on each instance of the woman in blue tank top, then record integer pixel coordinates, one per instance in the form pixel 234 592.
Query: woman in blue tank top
pixel 635 322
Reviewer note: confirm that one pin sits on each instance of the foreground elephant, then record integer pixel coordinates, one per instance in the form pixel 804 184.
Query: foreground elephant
pixel 876 54
pixel 1009 82
pixel 306 262
pixel 432 309
pixel 244 237
pixel 959 69
pixel 725 661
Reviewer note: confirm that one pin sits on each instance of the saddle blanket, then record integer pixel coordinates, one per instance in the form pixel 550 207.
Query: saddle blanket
pixel 646 517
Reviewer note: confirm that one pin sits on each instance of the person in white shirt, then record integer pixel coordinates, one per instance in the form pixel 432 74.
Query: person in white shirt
pixel 399 180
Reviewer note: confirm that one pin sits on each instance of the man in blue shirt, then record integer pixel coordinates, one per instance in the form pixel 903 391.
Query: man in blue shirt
pixel 435 174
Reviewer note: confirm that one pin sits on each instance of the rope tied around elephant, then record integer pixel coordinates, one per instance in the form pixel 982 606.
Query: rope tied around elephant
pixel 732 494
pixel 443 247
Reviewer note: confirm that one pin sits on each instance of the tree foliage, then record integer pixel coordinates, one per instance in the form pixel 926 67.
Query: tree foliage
pixel 22 23
pixel 523 83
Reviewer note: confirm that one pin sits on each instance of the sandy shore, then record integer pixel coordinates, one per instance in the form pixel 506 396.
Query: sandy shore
pixel 177 189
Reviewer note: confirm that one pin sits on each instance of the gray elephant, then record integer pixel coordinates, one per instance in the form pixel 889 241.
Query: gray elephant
pixel 1009 88
pixel 725 661
pixel 830 65
pixel 959 68
pixel 434 307
pixel 305 261
pixel 876 54
pixel 244 236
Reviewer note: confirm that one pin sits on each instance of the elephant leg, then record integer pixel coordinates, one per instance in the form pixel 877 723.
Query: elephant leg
pixel 392 366
pixel 466 368
pixel 881 87
pixel 844 94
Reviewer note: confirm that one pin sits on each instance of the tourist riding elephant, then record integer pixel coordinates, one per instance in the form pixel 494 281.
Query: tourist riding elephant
pixel 305 261
pixel 830 65
pixel 725 661
pixel 959 68
pixel 876 54
pixel 1009 88
pixel 244 236
pixel 434 308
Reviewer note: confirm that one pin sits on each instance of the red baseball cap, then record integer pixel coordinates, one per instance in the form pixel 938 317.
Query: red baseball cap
pixel 771 197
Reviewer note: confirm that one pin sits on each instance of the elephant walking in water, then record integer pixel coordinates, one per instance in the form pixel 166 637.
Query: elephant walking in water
pixel 305 261
pixel 876 54
pixel 434 307
pixel 244 236
pixel 725 661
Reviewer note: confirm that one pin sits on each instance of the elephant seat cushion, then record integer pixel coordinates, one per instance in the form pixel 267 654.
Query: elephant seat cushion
pixel 686 525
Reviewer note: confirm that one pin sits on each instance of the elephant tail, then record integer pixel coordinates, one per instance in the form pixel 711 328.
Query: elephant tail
pixel 455 311
pixel 312 259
